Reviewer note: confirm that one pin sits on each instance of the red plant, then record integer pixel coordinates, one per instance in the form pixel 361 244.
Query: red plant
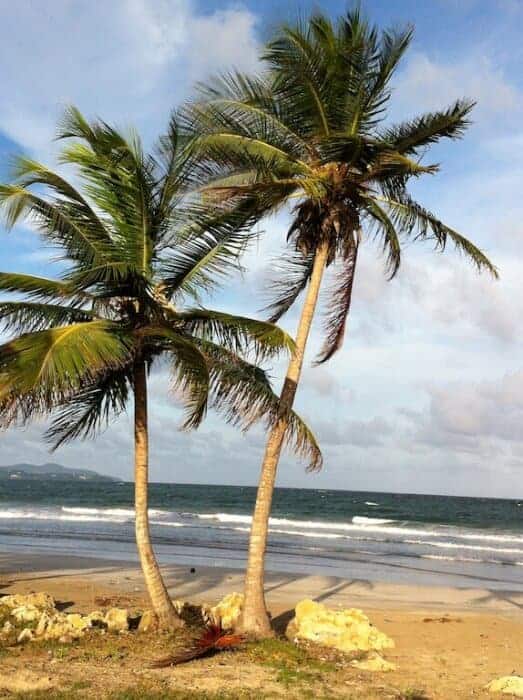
pixel 213 639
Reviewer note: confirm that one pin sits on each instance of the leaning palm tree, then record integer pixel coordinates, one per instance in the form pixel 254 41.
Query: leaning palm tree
pixel 311 131
pixel 134 250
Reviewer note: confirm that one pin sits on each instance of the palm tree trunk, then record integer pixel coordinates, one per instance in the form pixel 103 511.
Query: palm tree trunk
pixel 160 601
pixel 255 620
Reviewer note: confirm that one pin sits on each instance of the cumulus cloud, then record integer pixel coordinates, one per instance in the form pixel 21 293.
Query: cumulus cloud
pixel 429 84
pixel 129 61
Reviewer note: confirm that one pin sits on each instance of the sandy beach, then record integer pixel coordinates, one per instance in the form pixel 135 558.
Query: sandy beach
pixel 449 642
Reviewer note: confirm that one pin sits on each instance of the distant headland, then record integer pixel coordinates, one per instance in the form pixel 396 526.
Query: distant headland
pixel 50 471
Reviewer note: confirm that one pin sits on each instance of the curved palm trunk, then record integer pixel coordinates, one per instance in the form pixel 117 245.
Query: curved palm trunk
pixel 254 619
pixel 160 600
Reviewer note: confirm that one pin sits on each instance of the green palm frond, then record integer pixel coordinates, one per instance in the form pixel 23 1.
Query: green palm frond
pixel 413 219
pixel 39 370
pixel 40 288
pixel 190 372
pixel 60 358
pixel 205 249
pixel 237 332
pixel 27 317
pixel 56 221
pixel 427 129
pixel 91 409
pixel 242 393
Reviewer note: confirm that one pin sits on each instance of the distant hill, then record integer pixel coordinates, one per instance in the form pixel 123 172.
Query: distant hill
pixel 44 472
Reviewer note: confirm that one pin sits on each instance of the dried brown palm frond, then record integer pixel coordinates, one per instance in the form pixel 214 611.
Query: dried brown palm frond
pixel 213 639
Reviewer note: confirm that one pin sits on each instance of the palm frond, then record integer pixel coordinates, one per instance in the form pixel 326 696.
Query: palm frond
pixel 429 128
pixel 27 317
pixel 242 393
pixel 339 306
pixel 57 222
pixel 383 226
pixel 292 273
pixel 413 219
pixel 91 409
pixel 39 370
pixel 238 333
pixel 190 374
pixel 40 288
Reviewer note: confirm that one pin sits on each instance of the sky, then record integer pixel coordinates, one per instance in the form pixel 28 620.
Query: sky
pixel 426 395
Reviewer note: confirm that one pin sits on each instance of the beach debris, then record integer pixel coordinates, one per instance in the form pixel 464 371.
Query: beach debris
pixel 117 619
pixel 226 613
pixel 347 630
pixel 23 682
pixel 213 639
pixel 373 662
pixel 509 685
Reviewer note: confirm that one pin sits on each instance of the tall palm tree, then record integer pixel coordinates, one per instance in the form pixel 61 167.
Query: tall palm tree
pixel 134 249
pixel 311 131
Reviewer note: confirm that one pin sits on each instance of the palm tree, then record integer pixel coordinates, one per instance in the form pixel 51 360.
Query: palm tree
pixel 133 249
pixel 311 132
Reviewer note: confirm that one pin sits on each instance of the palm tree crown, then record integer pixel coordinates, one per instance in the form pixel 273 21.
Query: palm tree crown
pixel 311 131
pixel 135 249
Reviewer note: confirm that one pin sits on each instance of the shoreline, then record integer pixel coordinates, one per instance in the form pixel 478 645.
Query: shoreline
pixel 82 576
pixel 449 642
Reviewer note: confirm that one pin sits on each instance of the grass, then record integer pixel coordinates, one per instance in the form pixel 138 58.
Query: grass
pixel 293 665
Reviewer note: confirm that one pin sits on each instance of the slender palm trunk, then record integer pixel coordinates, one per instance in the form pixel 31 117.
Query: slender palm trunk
pixel 255 620
pixel 160 600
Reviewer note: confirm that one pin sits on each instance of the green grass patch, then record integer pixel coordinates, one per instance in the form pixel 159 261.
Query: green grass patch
pixel 291 663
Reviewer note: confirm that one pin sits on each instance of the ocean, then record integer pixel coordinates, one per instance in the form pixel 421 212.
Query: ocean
pixel 400 538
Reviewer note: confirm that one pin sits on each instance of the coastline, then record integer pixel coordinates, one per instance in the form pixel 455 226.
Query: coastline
pixel 82 577
pixel 449 641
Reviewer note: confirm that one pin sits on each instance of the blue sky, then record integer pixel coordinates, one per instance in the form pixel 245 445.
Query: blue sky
pixel 427 393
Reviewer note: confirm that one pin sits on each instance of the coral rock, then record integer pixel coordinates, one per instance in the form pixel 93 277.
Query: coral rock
pixel 26 613
pixel 26 635
pixel 346 630
pixel 117 620
pixel 374 662
pixel 227 612
pixel 509 685
pixel 42 601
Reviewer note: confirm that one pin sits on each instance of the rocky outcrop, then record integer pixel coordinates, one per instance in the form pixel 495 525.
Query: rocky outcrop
pixel 38 610
pixel 348 631
pixel 509 685
pixel 41 601
pixel 373 662
pixel 117 620
pixel 227 612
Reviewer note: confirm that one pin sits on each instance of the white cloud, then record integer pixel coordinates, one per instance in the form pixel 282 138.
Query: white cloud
pixel 128 61
pixel 428 84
